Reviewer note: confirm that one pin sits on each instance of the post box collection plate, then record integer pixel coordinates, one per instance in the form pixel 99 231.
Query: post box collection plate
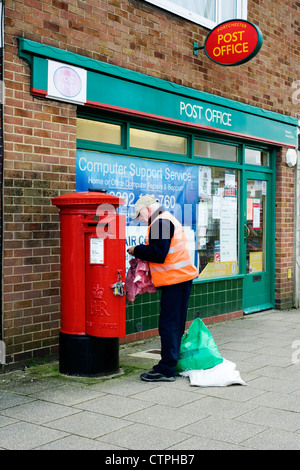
pixel 97 251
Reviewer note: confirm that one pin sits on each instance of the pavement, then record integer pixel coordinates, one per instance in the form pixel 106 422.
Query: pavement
pixel 41 409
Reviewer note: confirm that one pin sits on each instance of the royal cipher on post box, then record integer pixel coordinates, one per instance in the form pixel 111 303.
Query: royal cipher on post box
pixel 93 303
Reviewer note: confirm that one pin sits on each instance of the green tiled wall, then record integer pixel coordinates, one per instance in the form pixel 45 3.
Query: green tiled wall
pixel 208 299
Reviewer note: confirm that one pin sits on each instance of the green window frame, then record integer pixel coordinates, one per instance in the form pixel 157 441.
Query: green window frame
pixel 266 165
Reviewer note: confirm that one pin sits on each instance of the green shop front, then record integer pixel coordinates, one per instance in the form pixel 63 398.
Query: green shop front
pixel 209 160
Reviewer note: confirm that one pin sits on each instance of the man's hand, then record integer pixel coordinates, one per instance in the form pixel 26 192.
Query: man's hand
pixel 130 250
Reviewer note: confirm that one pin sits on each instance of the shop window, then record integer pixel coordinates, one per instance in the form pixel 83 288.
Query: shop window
pixel 256 157
pixel 98 131
pixel 217 222
pixel 157 141
pixel 207 12
pixel 212 150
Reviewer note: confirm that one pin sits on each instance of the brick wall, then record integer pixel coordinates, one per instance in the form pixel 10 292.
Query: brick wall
pixel 42 158
pixel 1 169
pixel 285 225
pixel 40 140
pixel 297 239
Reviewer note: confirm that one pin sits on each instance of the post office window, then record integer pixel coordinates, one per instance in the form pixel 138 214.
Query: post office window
pixel 157 141
pixel 205 12
pixel 98 131
pixel 217 223
pixel 206 149
pixel 256 157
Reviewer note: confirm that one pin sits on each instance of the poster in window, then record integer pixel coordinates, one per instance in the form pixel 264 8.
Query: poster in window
pixel 228 230
pixel 204 182
pixel 249 208
pixel 256 214
pixel 230 184
pixel 255 262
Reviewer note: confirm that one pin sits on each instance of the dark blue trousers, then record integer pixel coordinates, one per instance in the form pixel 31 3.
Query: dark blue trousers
pixel 174 305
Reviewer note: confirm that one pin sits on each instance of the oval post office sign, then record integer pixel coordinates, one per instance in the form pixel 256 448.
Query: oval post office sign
pixel 233 42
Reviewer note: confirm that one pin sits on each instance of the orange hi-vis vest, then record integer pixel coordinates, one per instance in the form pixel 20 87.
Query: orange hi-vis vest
pixel 177 266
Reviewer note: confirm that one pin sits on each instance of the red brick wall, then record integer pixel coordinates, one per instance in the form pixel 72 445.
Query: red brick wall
pixel 40 140
pixel 285 225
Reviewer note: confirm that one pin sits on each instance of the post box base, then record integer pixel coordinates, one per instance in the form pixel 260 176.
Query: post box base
pixel 86 356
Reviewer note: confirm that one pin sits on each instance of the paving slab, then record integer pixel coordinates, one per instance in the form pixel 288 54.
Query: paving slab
pixel 22 435
pixel 114 405
pixel 144 437
pixel 88 424
pixel 223 429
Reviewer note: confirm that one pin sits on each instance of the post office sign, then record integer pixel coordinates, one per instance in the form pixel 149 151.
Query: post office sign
pixel 233 42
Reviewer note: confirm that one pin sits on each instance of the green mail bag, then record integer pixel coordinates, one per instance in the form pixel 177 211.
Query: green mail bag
pixel 198 349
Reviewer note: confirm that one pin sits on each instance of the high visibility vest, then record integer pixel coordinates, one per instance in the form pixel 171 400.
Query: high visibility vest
pixel 177 266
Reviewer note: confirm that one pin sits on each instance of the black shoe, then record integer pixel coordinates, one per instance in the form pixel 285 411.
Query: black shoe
pixel 156 377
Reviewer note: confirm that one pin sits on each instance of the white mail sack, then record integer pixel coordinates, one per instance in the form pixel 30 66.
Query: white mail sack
pixel 221 375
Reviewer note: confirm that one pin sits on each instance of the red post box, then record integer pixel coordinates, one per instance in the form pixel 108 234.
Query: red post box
pixel 93 304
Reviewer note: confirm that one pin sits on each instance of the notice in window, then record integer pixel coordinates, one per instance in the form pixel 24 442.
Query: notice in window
pixel 202 214
pixel 256 214
pixel 256 262
pixel 216 207
pixel 204 182
pixel 230 184
pixel 249 208
pixel 228 230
